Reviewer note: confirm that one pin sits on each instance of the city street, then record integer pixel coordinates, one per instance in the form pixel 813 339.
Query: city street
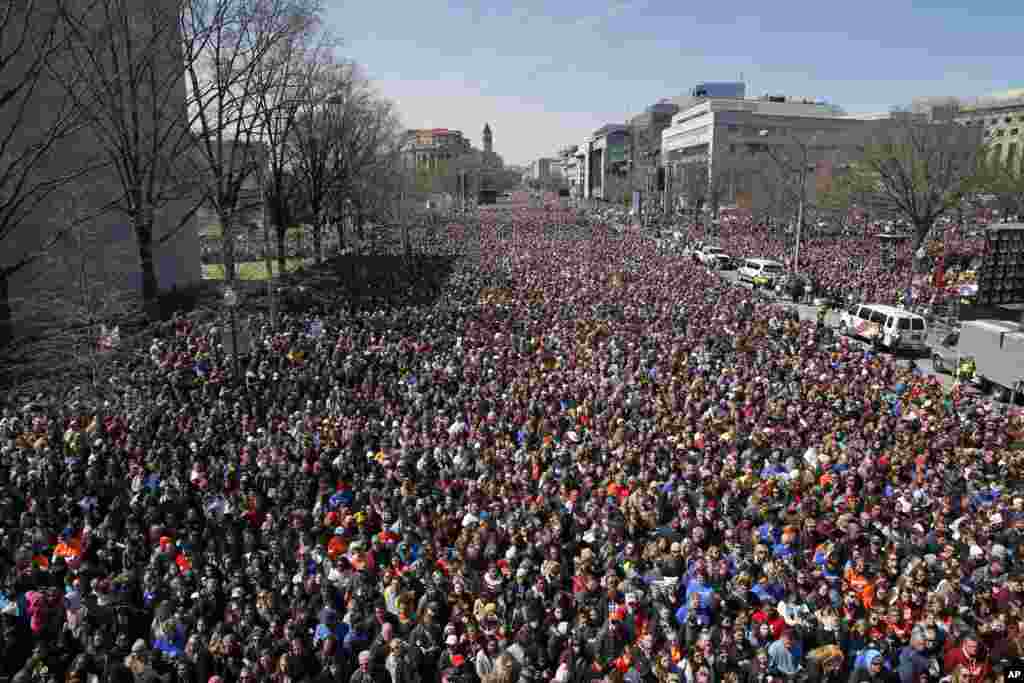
pixel 810 312
pixel 395 345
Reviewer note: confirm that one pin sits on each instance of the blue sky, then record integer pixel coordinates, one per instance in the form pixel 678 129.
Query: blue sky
pixel 546 74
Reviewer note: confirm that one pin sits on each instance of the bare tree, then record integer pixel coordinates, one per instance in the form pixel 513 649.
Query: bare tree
pixel 917 169
pixel 285 84
pixel 383 185
pixel 367 149
pixel 702 185
pixel 337 143
pixel 30 173
pixel 314 141
pixel 227 44
pixel 778 195
pixel 123 71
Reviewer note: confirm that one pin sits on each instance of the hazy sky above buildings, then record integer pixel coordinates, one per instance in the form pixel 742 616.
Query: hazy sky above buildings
pixel 546 74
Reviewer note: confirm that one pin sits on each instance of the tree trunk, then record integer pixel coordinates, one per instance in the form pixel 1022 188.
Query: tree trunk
pixel 228 245
pixel 318 252
pixel 6 315
pixel 339 226
pixel 268 254
pixel 282 236
pixel 921 230
pixel 150 286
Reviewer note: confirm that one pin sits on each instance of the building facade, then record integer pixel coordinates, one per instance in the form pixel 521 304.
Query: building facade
pixel 645 131
pixel 720 151
pixel 607 160
pixel 1001 118
pixel 547 170
pixel 720 89
pixel 428 148
pixel 569 168
pixel 101 254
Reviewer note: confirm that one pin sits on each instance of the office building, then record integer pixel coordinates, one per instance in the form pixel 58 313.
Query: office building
pixel 715 151
pixel 427 148
pixel 607 159
pixel 736 89
pixel 1001 119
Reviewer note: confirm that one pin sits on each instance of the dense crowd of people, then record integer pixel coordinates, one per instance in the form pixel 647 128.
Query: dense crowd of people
pixel 584 460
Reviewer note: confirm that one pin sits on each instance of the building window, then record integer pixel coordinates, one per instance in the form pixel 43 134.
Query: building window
pixel 1008 119
pixel 733 128
pixel 1015 131
pixel 732 149
pixel 999 133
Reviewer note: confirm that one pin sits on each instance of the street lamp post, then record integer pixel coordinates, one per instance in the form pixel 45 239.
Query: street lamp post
pixel 231 303
pixel 800 213
pixel 268 257
pixel 802 195
pixel 665 190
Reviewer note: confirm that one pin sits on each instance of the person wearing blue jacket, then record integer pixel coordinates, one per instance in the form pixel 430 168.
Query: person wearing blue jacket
pixel 697 605
pixel 913 662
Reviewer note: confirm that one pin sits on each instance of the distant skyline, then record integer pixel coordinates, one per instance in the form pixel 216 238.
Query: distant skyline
pixel 545 75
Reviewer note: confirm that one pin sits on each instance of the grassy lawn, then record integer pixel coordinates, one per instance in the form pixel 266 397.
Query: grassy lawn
pixel 249 270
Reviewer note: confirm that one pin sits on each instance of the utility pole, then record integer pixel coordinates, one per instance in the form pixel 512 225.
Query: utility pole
pixel 664 190
pixel 401 212
pixel 800 211
pixel 801 175
pixel 268 257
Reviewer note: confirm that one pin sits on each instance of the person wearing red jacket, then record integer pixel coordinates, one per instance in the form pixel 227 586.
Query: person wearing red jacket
pixel 968 656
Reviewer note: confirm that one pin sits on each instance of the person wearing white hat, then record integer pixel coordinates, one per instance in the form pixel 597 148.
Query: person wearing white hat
pixel 363 673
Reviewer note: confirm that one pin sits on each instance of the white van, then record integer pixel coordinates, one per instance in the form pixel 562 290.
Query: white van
pixel 764 271
pixel 887 326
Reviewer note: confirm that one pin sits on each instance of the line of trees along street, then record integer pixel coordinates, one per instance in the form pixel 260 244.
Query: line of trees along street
pixel 185 104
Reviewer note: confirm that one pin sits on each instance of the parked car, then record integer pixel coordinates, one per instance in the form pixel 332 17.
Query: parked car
pixel 945 355
pixel 887 327
pixel 761 271
pixel 714 257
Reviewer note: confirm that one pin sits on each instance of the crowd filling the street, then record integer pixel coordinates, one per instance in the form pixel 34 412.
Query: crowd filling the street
pixel 587 458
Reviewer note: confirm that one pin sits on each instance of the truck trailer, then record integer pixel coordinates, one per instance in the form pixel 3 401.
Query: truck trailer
pixel 997 347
